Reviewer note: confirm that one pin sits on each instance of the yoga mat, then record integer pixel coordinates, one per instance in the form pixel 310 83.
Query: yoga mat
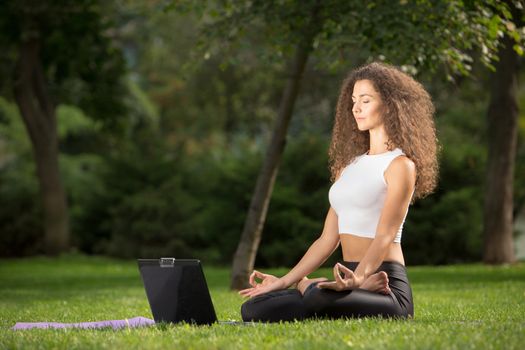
pixel 115 324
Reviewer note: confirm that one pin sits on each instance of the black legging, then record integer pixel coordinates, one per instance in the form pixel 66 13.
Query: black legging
pixel 289 304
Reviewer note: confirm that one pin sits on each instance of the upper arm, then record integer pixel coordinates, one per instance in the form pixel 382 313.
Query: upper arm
pixel 400 177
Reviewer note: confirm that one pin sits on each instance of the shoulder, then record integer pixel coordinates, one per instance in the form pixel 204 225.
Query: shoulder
pixel 401 170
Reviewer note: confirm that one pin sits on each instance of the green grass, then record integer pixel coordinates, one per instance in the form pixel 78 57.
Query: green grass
pixel 457 307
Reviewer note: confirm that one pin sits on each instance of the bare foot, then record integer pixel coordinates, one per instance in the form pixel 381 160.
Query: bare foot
pixel 378 283
pixel 305 282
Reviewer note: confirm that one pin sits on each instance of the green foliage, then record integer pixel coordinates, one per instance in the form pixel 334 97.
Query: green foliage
pixel 444 230
pixel 20 223
pixel 223 182
pixel 71 122
pixel 417 34
pixel 299 203
pixel 196 98
pixel 178 177
pixel 150 219
pixel 195 207
pixel 145 198
pixel 446 227
pixel 12 131
pixel 82 65
pixel 151 204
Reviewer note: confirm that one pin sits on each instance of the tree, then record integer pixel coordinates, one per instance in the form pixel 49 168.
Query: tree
pixel 57 51
pixel 416 34
pixel 502 114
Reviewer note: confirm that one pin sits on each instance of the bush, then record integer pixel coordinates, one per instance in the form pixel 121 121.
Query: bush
pixel 21 231
pixel 299 203
pixel 145 199
pixel 20 220
pixel 445 230
pixel 154 205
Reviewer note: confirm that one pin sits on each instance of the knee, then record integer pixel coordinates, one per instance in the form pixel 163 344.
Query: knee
pixel 281 305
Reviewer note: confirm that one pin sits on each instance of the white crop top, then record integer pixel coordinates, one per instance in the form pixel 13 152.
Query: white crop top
pixel 358 196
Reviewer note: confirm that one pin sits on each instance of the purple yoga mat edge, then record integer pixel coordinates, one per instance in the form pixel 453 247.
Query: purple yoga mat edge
pixel 115 324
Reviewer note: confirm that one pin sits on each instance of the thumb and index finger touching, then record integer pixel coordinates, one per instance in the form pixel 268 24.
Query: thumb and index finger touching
pixel 256 274
pixel 345 270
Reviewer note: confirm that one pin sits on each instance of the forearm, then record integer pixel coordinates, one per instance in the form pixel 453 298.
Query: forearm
pixel 316 255
pixel 374 256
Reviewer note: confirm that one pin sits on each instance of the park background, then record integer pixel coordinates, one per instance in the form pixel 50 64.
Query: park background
pixel 161 114
pixel 159 156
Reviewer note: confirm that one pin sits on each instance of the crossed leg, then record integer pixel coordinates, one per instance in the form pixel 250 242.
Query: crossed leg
pixel 289 304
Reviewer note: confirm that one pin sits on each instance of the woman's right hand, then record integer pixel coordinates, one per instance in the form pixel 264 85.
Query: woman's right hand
pixel 264 277
pixel 268 283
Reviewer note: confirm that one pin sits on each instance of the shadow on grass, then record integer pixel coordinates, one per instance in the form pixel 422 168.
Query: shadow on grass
pixel 70 287
pixel 65 278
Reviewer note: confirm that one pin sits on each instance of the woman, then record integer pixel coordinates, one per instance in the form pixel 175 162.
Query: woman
pixel 383 157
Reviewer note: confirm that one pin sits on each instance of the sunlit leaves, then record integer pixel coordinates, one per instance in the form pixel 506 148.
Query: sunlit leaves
pixel 419 33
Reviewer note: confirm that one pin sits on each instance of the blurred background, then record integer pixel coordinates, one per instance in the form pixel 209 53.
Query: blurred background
pixel 140 128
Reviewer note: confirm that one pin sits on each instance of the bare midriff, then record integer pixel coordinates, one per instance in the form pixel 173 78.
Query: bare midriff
pixel 355 247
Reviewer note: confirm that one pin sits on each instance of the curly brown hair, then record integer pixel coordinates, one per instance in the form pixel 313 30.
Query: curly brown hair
pixel 407 117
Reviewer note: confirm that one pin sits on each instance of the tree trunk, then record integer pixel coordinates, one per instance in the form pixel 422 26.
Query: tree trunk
pixel 502 135
pixel 251 236
pixel 38 113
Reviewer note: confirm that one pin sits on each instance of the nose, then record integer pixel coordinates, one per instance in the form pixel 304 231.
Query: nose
pixel 355 108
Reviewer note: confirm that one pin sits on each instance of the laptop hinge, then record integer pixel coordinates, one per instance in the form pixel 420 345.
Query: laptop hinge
pixel 167 262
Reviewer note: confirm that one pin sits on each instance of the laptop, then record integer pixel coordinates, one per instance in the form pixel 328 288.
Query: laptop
pixel 177 291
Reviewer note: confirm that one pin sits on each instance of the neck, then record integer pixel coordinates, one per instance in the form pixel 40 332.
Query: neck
pixel 378 140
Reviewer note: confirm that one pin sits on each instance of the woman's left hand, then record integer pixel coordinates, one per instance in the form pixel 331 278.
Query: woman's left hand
pixel 349 281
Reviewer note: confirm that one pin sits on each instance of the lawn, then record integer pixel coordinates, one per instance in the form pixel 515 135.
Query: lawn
pixel 457 307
